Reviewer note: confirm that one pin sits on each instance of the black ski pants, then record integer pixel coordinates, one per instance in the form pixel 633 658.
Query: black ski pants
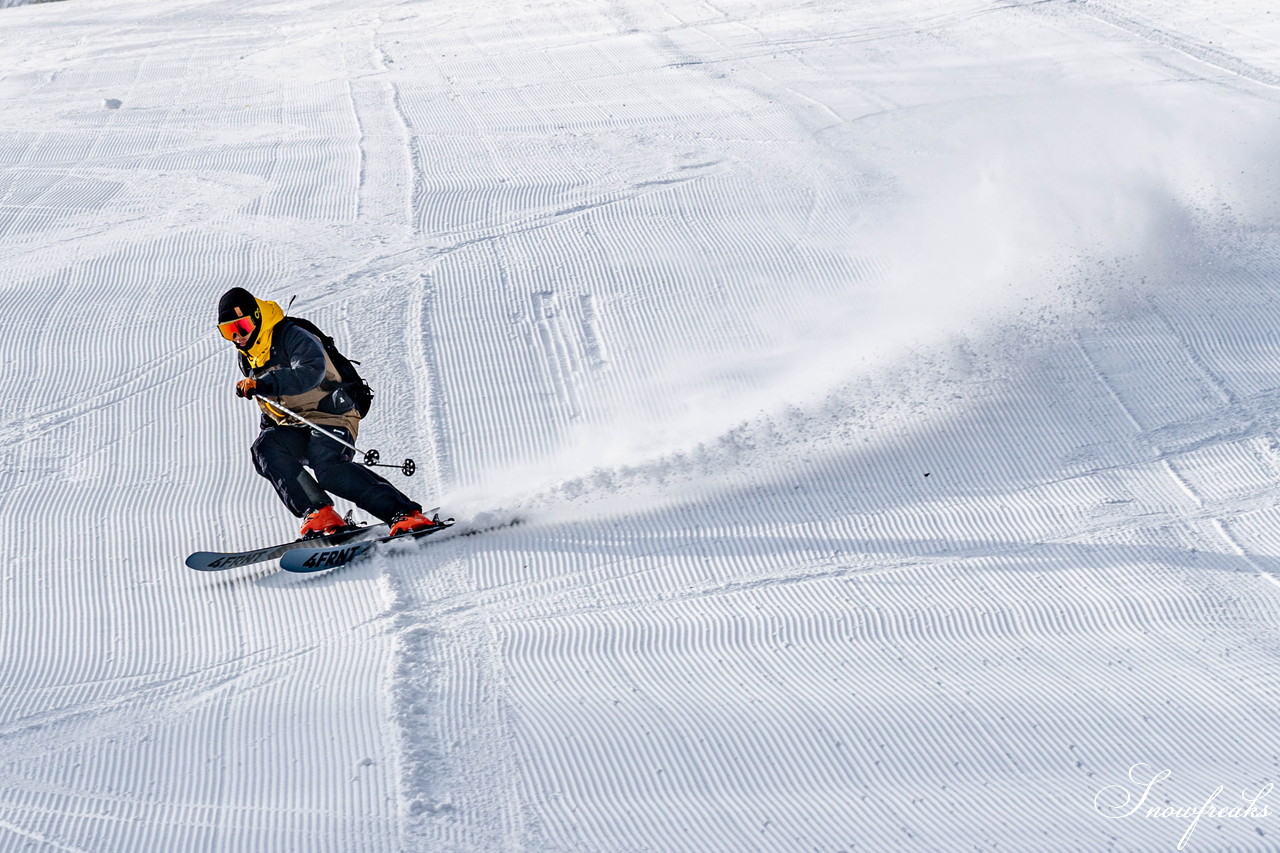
pixel 280 452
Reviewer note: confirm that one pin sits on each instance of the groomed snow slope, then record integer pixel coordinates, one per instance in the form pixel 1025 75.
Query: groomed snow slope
pixel 887 391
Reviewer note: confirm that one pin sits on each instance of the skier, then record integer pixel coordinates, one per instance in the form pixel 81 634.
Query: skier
pixel 280 360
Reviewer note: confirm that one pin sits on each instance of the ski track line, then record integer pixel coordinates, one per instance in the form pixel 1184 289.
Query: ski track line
pixel 1245 460
pixel 1116 15
pixel 451 724
pixel 389 179
pixel 38 837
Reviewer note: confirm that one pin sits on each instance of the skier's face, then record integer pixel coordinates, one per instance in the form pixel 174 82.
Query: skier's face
pixel 238 331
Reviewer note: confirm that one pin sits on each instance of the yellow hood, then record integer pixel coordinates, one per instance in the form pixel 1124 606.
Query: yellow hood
pixel 260 352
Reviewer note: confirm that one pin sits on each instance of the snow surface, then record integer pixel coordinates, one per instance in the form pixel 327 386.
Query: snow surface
pixel 888 392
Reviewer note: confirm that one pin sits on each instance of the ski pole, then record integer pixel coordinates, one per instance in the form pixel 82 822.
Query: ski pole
pixel 371 457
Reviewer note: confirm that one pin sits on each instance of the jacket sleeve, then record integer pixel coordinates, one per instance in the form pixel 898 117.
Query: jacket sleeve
pixel 304 369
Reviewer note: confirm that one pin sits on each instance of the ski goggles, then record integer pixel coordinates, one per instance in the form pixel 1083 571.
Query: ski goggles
pixel 240 326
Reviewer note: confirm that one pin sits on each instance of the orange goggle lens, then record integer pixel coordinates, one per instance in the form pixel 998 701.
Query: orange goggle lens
pixel 241 326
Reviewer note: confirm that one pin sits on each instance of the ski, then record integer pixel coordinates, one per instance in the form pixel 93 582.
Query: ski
pixel 216 561
pixel 318 559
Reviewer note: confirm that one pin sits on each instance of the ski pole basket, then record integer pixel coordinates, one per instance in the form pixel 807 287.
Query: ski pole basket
pixel 407 467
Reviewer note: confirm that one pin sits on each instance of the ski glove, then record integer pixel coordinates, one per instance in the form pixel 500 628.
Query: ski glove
pixel 246 388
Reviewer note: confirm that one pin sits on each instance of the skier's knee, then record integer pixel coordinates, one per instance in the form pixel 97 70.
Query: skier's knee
pixel 330 477
pixel 267 456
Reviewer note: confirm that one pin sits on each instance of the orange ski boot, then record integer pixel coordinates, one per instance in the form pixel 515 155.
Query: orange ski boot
pixel 411 522
pixel 322 522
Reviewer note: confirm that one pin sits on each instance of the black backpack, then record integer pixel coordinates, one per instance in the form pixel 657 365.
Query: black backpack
pixel 359 391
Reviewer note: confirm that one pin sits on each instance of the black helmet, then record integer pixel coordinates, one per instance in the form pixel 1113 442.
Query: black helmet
pixel 238 305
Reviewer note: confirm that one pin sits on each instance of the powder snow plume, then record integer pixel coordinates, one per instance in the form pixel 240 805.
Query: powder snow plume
pixel 998 212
